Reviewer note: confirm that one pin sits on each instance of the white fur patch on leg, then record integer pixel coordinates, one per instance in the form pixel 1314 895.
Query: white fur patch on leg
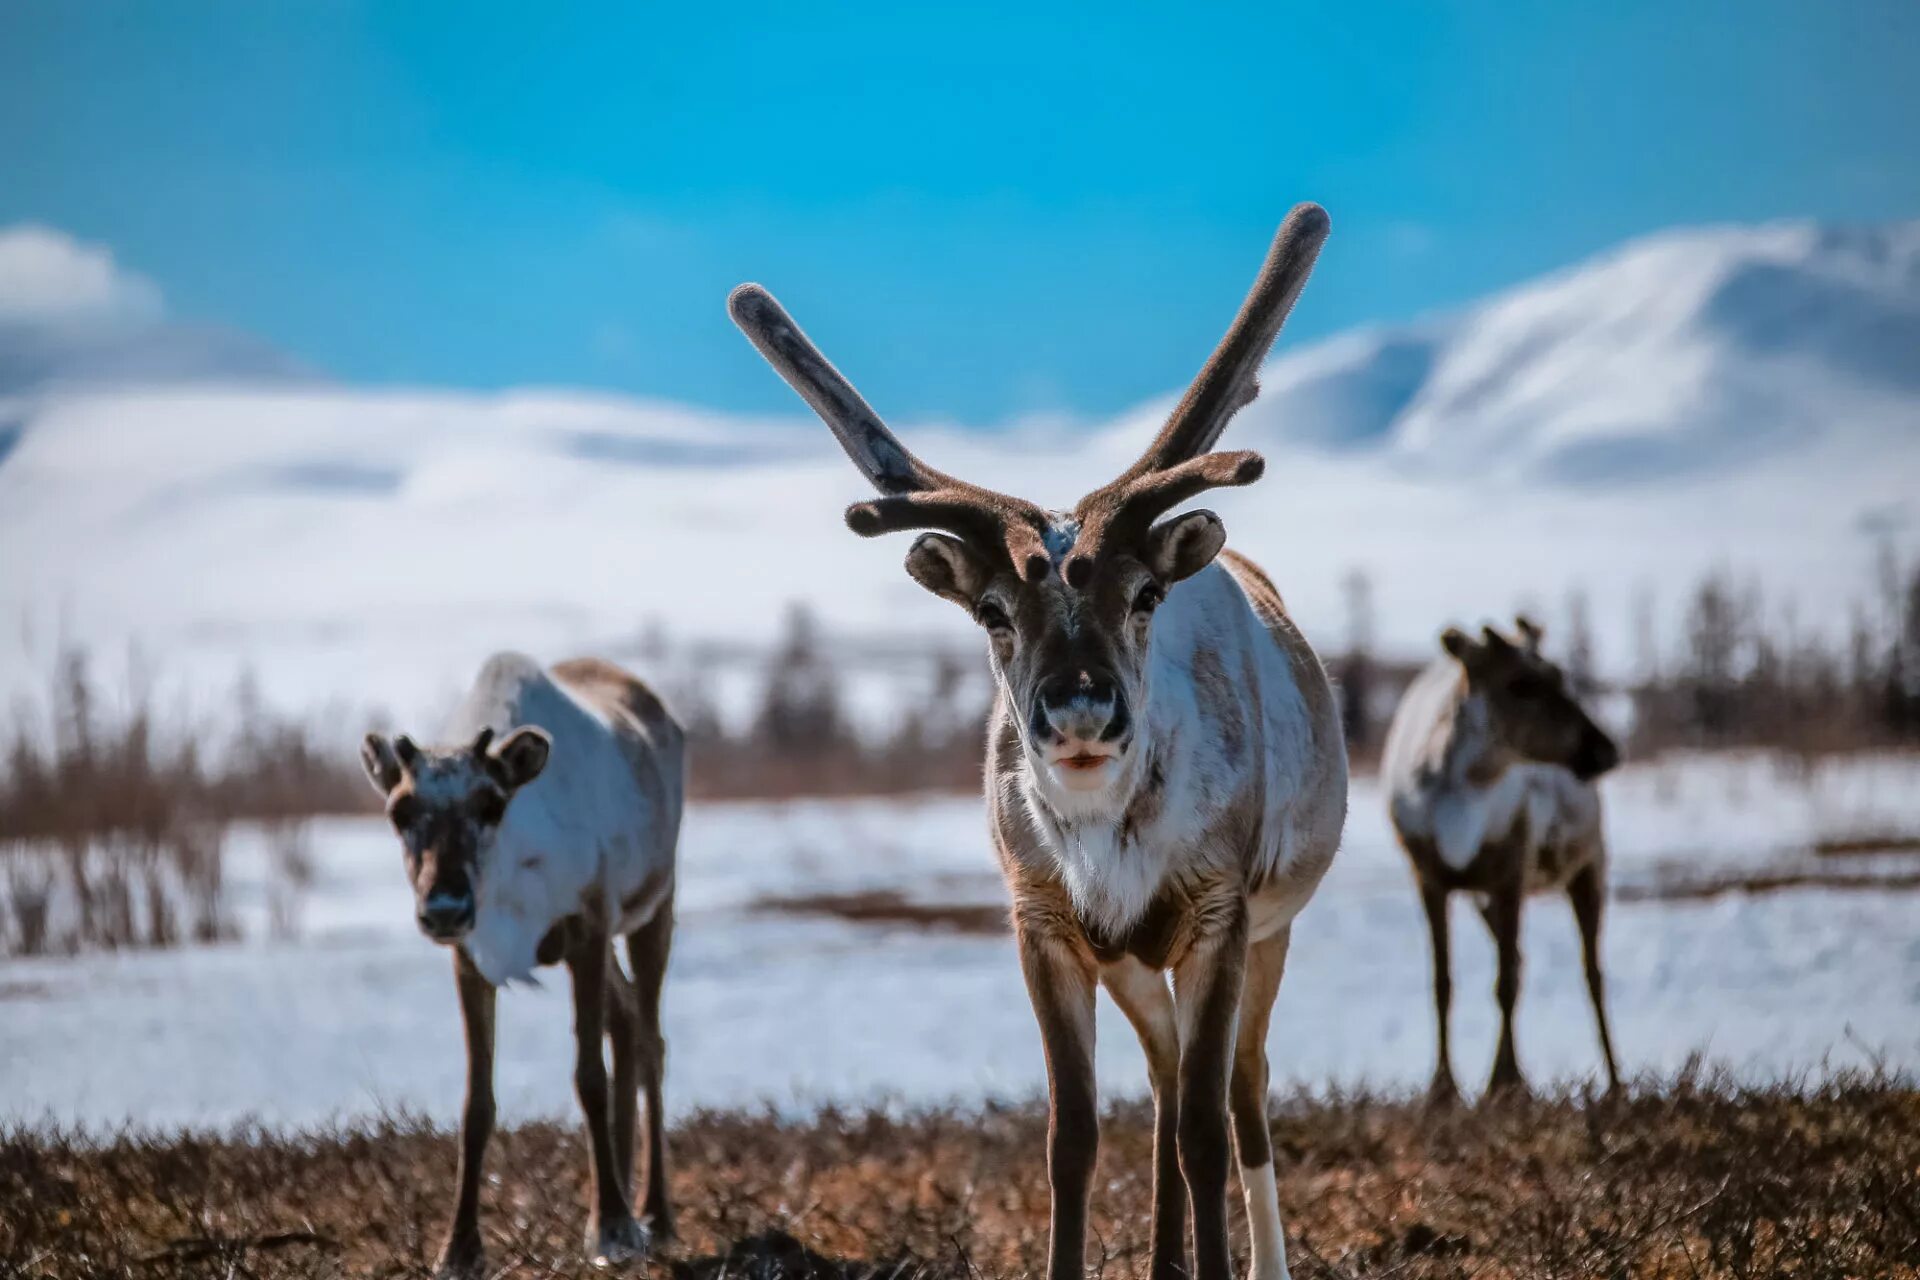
pixel 1263 1223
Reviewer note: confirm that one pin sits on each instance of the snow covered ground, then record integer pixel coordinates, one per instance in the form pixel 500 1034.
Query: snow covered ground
pixel 358 1015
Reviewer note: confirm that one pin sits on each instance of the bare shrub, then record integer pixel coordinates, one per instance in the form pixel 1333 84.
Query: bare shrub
pixel 113 832
pixel 801 740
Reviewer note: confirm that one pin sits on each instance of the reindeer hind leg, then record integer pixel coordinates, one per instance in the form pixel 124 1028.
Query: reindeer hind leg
pixel 1248 1092
pixel 1206 994
pixel 1587 891
pixel 648 948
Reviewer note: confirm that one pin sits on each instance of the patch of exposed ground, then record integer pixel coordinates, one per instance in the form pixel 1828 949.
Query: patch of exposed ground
pixel 887 907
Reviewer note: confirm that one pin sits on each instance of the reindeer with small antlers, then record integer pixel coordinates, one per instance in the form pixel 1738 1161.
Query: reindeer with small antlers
pixel 1489 769
pixel 1166 773
pixel 539 848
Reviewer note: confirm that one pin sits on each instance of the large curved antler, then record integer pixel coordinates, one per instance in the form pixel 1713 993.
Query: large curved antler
pixel 1176 465
pixel 915 495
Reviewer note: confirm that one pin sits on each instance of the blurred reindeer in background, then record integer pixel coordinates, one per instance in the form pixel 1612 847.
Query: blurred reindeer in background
pixel 1166 774
pixel 1489 771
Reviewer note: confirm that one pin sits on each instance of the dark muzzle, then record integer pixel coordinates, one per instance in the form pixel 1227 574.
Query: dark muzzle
pixel 1597 755
pixel 1081 706
pixel 445 917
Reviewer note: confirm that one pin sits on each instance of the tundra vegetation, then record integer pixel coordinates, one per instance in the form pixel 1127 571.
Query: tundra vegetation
pixel 1693 1177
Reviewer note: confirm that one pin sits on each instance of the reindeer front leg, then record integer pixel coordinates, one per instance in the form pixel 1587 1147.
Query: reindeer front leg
pixel 464 1254
pixel 1060 983
pixel 612 1233
pixel 1206 990
pixel 1143 996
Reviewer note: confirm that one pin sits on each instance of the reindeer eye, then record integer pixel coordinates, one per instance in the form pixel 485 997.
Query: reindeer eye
pixel 489 806
pixel 1148 599
pixel 404 812
pixel 992 616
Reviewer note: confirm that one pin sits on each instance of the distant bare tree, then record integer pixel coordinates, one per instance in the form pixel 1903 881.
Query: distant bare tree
pixel 1578 656
pixel 1356 668
pixel 800 709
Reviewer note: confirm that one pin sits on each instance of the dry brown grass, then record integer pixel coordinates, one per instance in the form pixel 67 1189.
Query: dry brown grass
pixel 1689 1180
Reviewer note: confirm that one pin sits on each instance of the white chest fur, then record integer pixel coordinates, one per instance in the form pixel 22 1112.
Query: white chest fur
pixel 1224 730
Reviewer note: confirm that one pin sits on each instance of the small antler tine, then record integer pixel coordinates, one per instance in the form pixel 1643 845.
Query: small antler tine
pixel 980 518
pixel 1125 511
pixel 936 510
pixel 483 740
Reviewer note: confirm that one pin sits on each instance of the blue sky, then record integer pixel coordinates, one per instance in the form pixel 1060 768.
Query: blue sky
pixel 1020 210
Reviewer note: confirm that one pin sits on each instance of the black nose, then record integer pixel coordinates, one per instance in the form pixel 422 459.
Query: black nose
pixel 1597 755
pixel 1083 696
pixel 442 917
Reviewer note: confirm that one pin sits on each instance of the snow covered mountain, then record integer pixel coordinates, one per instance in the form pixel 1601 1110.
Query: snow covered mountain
pixel 1739 397
pixel 1691 351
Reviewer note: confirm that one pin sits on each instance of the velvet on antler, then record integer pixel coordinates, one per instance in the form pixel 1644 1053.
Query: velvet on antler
pixel 914 495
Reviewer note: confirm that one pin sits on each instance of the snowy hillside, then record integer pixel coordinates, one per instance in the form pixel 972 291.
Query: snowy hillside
pixel 373 546
pixel 1692 351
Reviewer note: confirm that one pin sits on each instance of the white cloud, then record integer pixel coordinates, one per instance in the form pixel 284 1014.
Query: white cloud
pixel 48 277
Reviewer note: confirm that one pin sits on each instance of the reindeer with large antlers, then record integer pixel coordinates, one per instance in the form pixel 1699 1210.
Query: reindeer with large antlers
pixel 1166 775
pixel 538 848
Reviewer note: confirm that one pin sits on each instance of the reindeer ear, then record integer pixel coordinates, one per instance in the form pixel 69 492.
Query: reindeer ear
pixel 1183 546
pixel 382 765
pixel 948 568
pixel 519 758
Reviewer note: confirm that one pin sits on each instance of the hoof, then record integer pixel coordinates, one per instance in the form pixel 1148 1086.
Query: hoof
pixel 1503 1089
pixel 618 1243
pixel 1443 1095
pixel 460 1264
